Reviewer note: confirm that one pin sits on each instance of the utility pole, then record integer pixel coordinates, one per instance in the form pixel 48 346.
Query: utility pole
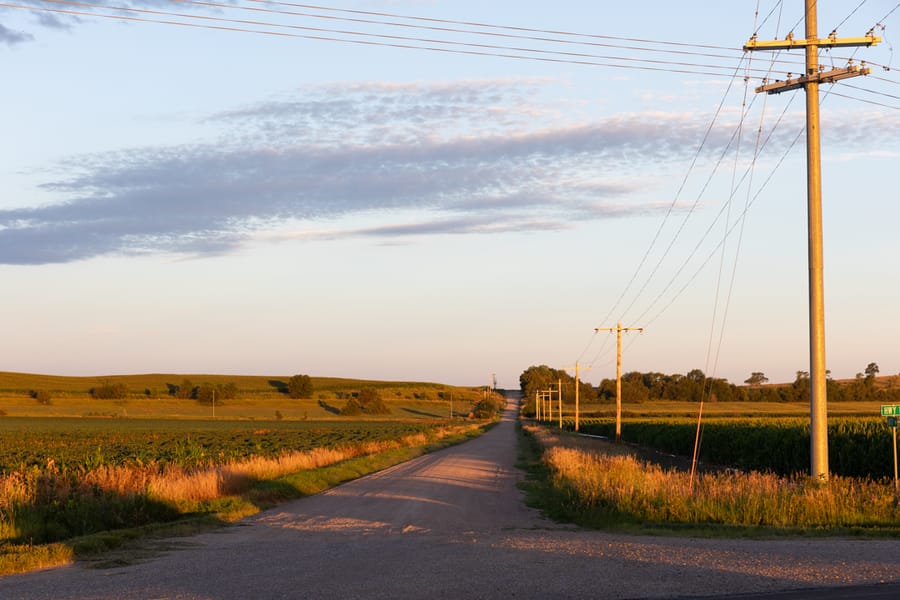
pixel 537 406
pixel 577 393
pixel 619 329
pixel 810 80
pixel 577 385
pixel 559 396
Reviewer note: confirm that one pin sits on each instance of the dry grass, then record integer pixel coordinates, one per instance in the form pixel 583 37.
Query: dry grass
pixel 177 485
pixel 608 486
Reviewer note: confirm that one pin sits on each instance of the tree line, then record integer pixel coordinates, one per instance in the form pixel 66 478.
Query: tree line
pixel 694 386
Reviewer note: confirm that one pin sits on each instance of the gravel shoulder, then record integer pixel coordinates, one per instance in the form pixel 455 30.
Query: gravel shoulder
pixel 452 524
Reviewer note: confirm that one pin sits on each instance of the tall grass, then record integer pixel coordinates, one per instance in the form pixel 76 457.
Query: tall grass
pixel 605 489
pixel 52 503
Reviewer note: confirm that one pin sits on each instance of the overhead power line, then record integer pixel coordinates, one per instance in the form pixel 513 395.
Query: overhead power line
pixel 883 105
pixel 385 40
pixel 494 26
pixel 458 46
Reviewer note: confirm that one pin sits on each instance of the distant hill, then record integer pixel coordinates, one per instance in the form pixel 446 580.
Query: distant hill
pixel 11 382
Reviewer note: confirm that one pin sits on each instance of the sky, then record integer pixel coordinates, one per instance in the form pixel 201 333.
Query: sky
pixel 211 199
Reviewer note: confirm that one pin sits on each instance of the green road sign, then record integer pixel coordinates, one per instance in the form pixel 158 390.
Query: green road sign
pixel 890 410
pixel 892 421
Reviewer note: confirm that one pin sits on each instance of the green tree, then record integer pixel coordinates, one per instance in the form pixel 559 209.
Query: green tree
pixel 351 408
pixel 208 394
pixel 109 391
pixel 370 400
pixel 542 378
pixel 185 390
pixel 756 378
pixel 488 407
pixel 300 386
pixel 871 372
pixel 42 397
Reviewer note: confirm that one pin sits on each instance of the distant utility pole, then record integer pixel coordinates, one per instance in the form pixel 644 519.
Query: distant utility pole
pixel 619 329
pixel 559 399
pixel 576 395
pixel 814 75
pixel 577 392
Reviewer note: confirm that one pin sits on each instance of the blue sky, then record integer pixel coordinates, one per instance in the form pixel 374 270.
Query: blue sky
pixel 181 199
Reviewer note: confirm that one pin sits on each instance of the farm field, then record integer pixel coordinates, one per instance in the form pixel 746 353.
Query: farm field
pixel 722 409
pixel 74 465
pixel 257 397
pixel 85 444
pixel 857 446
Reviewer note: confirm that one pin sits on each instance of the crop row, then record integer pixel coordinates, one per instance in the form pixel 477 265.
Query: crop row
pixel 857 447
pixel 75 444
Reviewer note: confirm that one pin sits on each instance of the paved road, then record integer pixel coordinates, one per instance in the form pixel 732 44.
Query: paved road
pixel 452 525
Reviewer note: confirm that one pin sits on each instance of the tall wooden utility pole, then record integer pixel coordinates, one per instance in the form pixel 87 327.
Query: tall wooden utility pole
pixel 814 75
pixel 619 329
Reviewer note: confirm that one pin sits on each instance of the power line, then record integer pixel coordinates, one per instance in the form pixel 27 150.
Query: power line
pixel 883 79
pixel 866 101
pixel 556 40
pixel 847 18
pixel 398 41
pixel 696 249
pixel 674 202
pixel 493 26
pixel 684 221
pixel 855 87
pixel 885 17
pixel 768 16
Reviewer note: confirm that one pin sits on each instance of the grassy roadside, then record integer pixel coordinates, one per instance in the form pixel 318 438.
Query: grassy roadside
pixel 210 512
pixel 571 479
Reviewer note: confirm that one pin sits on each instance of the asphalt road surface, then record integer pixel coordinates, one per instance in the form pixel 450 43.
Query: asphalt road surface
pixel 452 525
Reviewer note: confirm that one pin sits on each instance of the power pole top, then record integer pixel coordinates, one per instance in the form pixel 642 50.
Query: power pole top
pixel 832 41
pixel 814 73
pixel 820 77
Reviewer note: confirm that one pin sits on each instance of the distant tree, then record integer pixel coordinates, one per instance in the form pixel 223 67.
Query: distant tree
pixel 185 390
pixel 207 394
pixel 800 388
pixel 696 375
pixel 871 372
pixel 371 402
pixel 541 378
pixel 109 391
pixel 756 378
pixel 351 407
pixel 218 393
pixel 300 386
pixel 41 396
pixel 488 407
pixel 229 390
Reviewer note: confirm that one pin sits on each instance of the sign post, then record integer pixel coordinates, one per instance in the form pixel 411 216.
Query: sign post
pixel 892 412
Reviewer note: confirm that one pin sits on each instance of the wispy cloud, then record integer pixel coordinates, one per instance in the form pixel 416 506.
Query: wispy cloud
pixel 11 38
pixel 468 157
